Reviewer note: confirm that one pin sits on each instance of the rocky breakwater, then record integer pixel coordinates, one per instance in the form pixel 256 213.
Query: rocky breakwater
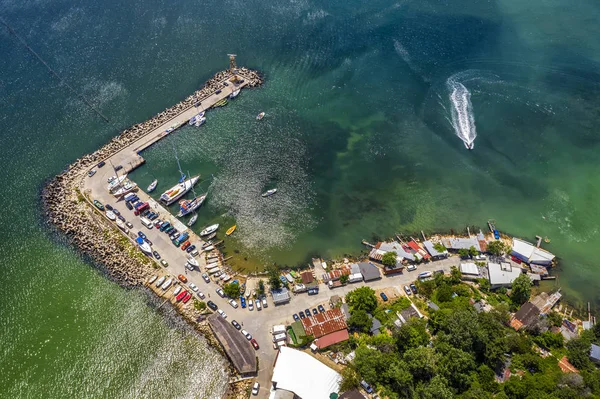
pixel 68 208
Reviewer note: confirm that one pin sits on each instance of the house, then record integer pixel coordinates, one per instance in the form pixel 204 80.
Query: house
pixel 280 296
pixel 470 271
pixel 376 325
pixel 412 244
pixel 407 314
pixel 335 275
pixel 502 275
pixel 529 253
pixel 381 248
pixel 324 323
pixel 435 255
pixel 307 277
pixel 331 339
pixel 457 243
pixel 595 354
pixel 526 316
pixel 369 271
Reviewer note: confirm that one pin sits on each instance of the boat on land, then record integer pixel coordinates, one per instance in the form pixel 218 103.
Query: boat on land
pixel 126 188
pixel 144 246
pixel 268 193
pixel 177 290
pixel 152 279
pixel 196 118
pixel 260 116
pixel 188 206
pixel 116 183
pixel 167 284
pixel 110 215
pixel 193 220
pixel 192 261
pixel 181 295
pixel 178 190
pixel 209 230
pixel 206 244
pixel 235 93
pixel 160 281
pixel 231 230
pixel 152 186
pixel 187 297
pixel 209 248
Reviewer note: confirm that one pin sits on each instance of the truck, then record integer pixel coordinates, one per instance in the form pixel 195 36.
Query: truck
pixel 334 284
pixel 279 337
pixel 355 278
pixel 278 329
pixel 141 208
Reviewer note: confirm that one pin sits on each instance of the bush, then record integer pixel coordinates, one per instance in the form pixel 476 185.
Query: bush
pixel 199 305
pixel 232 290
pixel 389 259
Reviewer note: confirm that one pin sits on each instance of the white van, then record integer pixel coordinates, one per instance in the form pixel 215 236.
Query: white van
pixel 146 222
pixel 264 303
pixel 425 275
pixel 278 329
pixel 279 337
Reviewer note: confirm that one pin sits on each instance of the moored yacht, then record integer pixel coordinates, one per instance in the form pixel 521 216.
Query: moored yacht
pixel 115 183
pixel 209 230
pixel 178 190
pixel 152 186
pixel 189 206
pixel 196 118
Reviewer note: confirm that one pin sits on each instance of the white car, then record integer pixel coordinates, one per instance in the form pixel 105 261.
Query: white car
pixel 255 388
pixel 223 314
pixel 194 287
pixel 221 293
pixel 247 335
pixel 411 268
pixel 200 295
pixel 92 172
pixel 250 305
pixel 233 303
pixel 258 306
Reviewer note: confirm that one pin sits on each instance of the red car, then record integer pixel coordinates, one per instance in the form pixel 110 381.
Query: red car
pixel 182 278
pixel 187 297
pixel 185 245
pixel 180 296
pixel 254 343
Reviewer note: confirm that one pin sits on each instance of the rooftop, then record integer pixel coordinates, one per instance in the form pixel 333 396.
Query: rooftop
pixel 595 353
pixel 525 316
pixel 469 268
pixel 353 394
pixel 307 277
pixel 461 243
pixel 382 247
pixel 531 253
pixel 280 296
pixel 236 346
pixel 324 323
pixel 503 274
pixel 332 338
pixel 369 271
pixel 429 246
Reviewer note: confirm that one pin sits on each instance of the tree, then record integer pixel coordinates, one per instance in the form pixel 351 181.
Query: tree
pixel 349 379
pixel 436 389
pixel 232 290
pixel 578 351
pixel 400 379
pixel 497 247
pixel 359 320
pixel 473 251
pixel 521 289
pixel 411 334
pixel 422 362
pixel 463 253
pixel 455 275
pixel 439 247
pixel 484 284
pixel 344 278
pixel 389 259
pixel 274 280
pixel 199 305
pixel 261 287
pixel 362 298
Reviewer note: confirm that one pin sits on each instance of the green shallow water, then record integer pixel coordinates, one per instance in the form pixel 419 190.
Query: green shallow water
pixel 365 104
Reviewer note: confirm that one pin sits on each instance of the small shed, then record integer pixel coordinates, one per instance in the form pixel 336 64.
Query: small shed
pixel 307 277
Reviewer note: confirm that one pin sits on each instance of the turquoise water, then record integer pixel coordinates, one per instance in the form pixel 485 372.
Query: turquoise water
pixel 368 108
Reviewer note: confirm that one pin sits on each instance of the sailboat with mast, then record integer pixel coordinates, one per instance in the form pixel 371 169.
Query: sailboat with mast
pixel 188 206
pixel 181 188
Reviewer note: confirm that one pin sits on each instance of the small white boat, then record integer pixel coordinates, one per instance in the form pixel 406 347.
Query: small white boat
pixel 126 188
pixel 260 116
pixel 152 279
pixel 200 122
pixel 160 281
pixel 193 220
pixel 270 192
pixel 209 230
pixel 120 224
pixel 177 290
pixel 152 186
pixel 110 215
pixel 167 284
pixel 209 248
pixel 234 94
pixel 196 118
pixel 178 190
pixel 193 261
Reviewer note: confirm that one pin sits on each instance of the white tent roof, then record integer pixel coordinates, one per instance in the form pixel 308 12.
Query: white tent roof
pixel 294 368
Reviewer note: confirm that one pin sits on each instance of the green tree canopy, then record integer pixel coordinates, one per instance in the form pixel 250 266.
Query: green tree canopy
pixel 362 298
pixel 274 281
pixel 261 287
pixel 463 253
pixel 359 320
pixel 344 279
pixel 411 334
pixel 389 258
pixel 439 247
pixel 232 290
pixel 473 251
pixel 497 247
pixel 521 289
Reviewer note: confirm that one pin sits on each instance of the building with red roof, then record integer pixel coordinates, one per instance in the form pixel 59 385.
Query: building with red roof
pixel 331 339
pixel 324 323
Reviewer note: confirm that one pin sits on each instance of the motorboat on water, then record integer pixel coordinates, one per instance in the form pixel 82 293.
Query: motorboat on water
pixel 152 186
pixel 196 118
pixel 470 145
pixel 192 261
pixel 160 281
pixel 235 93
pixel 167 284
pixel 193 220
pixel 152 279
pixel 178 190
pixel 200 122
pixel 144 246
pixel 126 188
pixel 110 215
pixel 209 230
pixel 177 290
pixel 260 116
pixel 189 206
pixel 268 193
pixel 231 230
pixel 115 183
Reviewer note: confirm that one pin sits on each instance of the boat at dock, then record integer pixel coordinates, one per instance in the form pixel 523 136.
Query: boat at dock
pixel 260 116
pixel 152 186
pixel 220 103
pixel 209 248
pixel 167 284
pixel 160 281
pixel 235 93
pixel 178 190
pixel 231 230
pixel 206 244
pixel 116 183
pixel 200 122
pixel 210 237
pixel 196 118
pixel 268 193
pixel 110 215
pixel 209 230
pixel 152 279
pixel 192 220
pixel 188 206
pixel 177 290
pixel 126 188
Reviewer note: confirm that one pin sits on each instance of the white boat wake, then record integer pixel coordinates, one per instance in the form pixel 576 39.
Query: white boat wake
pixel 463 120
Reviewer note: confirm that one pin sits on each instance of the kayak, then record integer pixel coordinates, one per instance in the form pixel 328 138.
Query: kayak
pixel 231 230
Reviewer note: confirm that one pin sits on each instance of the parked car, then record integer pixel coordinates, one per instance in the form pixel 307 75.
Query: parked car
pixel 194 287
pixel 92 172
pixel 411 268
pixel 236 324
pixel 118 167
pixel 301 313
pixel 108 207
pixel 258 305
pixel 255 388
pixel 255 345
pixel 190 248
pixel 129 206
pixel 156 254
pixel 321 308
pixel 247 335
pixel 407 290
pixel 212 305
pixel 295 316
pixel 205 277
pixel 116 211
pixel 148 241
pixel 121 218
pixel 220 292
pixel 226 84
pixel 128 224
pixel 164 263
pixel 307 312
pixel 366 386
pixel 313 291
pixel 182 278
pixel 233 303
pixel 250 305
pixel 158 223
pixel 185 245
pixel 383 296
pixel 222 313
pixel 264 303
pixel 154 216
pixel 200 295
pixel 413 288
pixel 140 234
pixel 99 205
pixel 101 164
pixel 315 312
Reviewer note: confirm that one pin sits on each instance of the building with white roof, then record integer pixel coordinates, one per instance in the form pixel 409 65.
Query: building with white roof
pixel 502 275
pixel 529 253
pixel 470 271
pixel 302 374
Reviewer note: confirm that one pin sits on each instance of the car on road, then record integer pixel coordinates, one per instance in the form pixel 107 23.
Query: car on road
pixel 243 302
pixel 413 288
pixel 255 388
pixel 221 313
pixel 226 84
pixel 258 305
pixel 118 167
pixel 295 316
pixel 158 223
pixel 164 263
pixel 315 312
pixel 247 335
pixel 307 312
pixel 190 248
pixel 156 254
pixel 182 278
pixel 194 287
pixel 108 207
pixel 140 234
pixel 411 268
pixel 129 206
pixel 220 292
pixel 92 172
pixel 407 290
pixel 250 305
pixel 236 324
pixel 254 344
pixel 101 164
pixel 205 277
pixel 212 305
pixel 121 218
pixel 233 303
pixel 301 313
pixel 383 296
pixel 321 308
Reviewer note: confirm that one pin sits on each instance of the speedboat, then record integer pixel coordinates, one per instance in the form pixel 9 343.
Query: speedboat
pixel 193 220
pixel 160 281
pixel 270 192
pixel 152 279
pixel 167 284
pixel 187 297
pixel 206 244
pixel 231 230
pixel 235 93
pixel 193 261
pixel 144 246
pixel 110 215
pixel 196 118
pixel 189 206
pixel 152 186
pixel 178 190
pixel 177 290
pixel 260 116
pixel 200 122
pixel 209 230
pixel 470 145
